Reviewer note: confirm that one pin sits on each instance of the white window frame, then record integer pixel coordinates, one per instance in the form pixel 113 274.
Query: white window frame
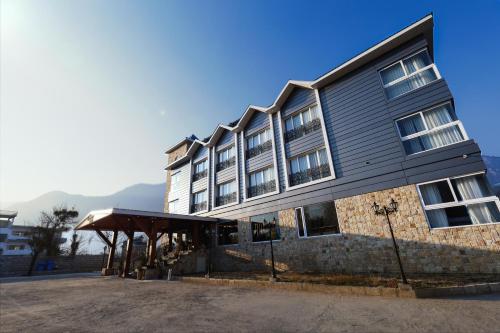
pixel 455 202
pixel 301 115
pixel 258 136
pixel 316 152
pixel 304 225
pixel 196 194
pixel 202 163
pixel 174 186
pixel 225 152
pixel 430 131
pixel 407 76
pixel 271 171
pixel 176 201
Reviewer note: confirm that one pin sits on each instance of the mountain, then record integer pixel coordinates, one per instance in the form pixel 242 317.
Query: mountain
pixel 140 196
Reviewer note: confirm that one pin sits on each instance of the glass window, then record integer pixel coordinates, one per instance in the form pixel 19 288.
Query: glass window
pixel 430 129
pixel 3 237
pixel 175 181
pixel 317 220
pixel 257 139
pixel 227 188
pixel 227 233
pixel 200 167
pixel 309 167
pixel 173 206
pixel 301 118
pixel 408 74
pixel 459 201
pixel 226 154
pixel 200 197
pixel 264 227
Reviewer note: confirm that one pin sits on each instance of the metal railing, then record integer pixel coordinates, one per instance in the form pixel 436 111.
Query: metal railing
pixel 198 207
pixel 225 199
pixel 302 130
pixel 200 175
pixel 261 189
pixel 309 175
pixel 257 150
pixel 226 164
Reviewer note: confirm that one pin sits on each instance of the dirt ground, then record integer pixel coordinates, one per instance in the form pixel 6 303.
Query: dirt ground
pixel 95 304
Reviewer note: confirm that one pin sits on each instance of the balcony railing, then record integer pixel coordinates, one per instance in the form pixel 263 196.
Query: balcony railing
pixel 257 150
pixel 226 164
pixel 225 199
pixel 198 207
pixel 302 130
pixel 200 175
pixel 254 191
pixel 309 175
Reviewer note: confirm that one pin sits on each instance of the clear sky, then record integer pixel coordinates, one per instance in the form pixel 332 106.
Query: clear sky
pixel 93 92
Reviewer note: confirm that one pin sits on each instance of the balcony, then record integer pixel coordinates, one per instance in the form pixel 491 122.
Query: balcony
pixel 254 191
pixel 302 130
pixel 309 175
pixel 200 175
pixel 257 150
pixel 225 164
pixel 199 207
pixel 225 199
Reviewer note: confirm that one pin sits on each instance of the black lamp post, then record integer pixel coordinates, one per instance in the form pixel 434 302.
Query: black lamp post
pixel 272 226
pixel 103 255
pixel 393 207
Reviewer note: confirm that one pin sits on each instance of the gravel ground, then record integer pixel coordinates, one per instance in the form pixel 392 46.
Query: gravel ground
pixel 95 304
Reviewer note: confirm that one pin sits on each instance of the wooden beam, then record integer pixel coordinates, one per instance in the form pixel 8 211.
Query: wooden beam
pixel 111 256
pixel 103 237
pixel 130 246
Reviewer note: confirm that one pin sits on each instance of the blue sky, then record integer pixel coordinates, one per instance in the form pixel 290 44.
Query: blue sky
pixel 93 92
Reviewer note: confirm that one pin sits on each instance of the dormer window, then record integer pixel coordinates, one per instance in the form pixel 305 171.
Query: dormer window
pixel 226 158
pixel 258 143
pixel 309 167
pixel 408 74
pixel 302 123
pixel 200 170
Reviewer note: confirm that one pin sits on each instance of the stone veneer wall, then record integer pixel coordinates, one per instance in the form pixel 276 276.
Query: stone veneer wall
pixel 365 246
pixel 171 158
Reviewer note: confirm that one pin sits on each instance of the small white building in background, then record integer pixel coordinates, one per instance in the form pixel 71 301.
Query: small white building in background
pixel 13 238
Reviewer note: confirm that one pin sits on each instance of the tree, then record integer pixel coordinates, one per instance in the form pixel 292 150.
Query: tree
pixel 75 243
pixel 47 236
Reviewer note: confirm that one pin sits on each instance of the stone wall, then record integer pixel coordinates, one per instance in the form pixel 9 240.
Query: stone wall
pixel 19 265
pixel 365 246
pixel 179 152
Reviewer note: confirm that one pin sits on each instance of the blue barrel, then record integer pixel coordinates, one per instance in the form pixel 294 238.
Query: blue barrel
pixel 50 265
pixel 41 265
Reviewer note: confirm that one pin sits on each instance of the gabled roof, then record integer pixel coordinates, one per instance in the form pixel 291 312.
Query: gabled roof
pixel 286 91
pixel 251 109
pixel 217 133
pixel 189 153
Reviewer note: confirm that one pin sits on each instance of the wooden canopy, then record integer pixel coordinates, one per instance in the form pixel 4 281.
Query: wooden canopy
pixel 153 224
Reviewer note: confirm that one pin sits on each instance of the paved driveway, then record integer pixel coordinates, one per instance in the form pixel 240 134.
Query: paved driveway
pixel 95 304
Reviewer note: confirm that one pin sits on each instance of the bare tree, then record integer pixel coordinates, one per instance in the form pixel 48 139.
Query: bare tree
pixel 47 236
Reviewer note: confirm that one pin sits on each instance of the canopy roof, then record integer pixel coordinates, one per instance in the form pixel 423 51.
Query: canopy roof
pixel 129 220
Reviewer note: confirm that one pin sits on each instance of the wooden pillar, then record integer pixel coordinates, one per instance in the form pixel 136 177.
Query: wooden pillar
pixel 130 245
pixel 111 256
pixel 195 234
pixel 170 240
pixel 152 247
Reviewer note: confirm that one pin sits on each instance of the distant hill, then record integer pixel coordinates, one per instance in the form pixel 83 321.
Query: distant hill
pixel 493 165
pixel 140 196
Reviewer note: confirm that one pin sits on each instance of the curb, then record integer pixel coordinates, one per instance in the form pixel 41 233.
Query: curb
pixel 405 292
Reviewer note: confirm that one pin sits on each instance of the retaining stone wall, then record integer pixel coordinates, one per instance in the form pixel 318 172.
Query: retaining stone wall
pixel 365 246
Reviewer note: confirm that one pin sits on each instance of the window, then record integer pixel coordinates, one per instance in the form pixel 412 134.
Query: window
pixel 175 181
pixel 265 226
pixel 227 233
pixel 258 143
pixel 16 247
pixel 3 237
pixel 309 167
pixel 173 206
pixel 317 220
pixel 408 74
pixel 226 193
pixel 200 170
pixel 261 182
pixel 302 123
pixel 459 201
pixel 199 201
pixel 226 158
pixel 434 128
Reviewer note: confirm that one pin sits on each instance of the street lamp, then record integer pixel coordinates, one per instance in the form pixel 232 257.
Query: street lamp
pixel 393 207
pixel 272 226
